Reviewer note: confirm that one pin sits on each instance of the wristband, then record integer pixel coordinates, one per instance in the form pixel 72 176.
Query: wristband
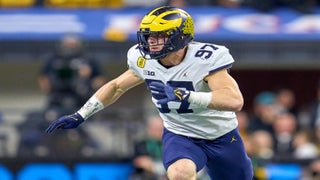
pixel 202 99
pixel 92 106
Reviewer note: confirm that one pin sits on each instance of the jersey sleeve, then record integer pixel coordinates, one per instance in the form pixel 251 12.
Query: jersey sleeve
pixel 222 59
pixel 132 59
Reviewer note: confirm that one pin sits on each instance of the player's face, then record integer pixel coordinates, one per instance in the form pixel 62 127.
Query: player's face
pixel 156 42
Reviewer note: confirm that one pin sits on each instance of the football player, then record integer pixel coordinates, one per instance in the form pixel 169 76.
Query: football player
pixel 193 91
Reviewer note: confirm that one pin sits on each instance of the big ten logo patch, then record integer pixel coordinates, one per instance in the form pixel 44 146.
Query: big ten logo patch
pixel 149 73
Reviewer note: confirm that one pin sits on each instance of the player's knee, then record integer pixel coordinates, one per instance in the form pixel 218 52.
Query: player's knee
pixel 183 170
pixel 181 174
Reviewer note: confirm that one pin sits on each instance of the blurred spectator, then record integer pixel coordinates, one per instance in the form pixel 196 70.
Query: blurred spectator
pixel 260 149
pixel 285 101
pixel 263 112
pixel 243 123
pixel 262 144
pixel 284 128
pixel 147 160
pixel 313 170
pixel 69 77
pixel 304 148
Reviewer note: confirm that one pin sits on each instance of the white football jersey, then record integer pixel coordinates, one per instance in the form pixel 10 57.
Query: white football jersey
pixel 184 118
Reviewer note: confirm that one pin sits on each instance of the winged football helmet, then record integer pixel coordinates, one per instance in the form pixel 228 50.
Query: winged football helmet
pixel 173 23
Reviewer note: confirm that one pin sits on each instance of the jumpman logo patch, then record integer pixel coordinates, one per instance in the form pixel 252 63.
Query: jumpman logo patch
pixel 233 139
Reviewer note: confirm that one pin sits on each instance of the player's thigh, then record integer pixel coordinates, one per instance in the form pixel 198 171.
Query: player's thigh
pixel 182 169
pixel 177 147
pixel 229 159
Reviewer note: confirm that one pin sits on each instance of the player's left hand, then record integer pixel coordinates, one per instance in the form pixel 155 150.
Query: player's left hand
pixel 65 122
pixel 168 92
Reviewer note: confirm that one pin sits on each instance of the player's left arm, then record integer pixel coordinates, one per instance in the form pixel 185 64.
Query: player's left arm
pixel 225 92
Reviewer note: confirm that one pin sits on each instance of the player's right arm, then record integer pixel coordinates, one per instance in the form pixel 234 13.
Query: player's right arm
pixel 103 97
pixel 112 90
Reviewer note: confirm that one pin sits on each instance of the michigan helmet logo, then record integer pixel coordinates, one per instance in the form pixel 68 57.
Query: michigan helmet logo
pixel 141 62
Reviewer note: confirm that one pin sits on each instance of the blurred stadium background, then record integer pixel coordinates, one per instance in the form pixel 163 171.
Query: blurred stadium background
pixel 274 48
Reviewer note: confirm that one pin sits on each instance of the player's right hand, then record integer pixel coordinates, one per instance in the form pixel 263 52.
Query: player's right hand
pixel 169 93
pixel 65 122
